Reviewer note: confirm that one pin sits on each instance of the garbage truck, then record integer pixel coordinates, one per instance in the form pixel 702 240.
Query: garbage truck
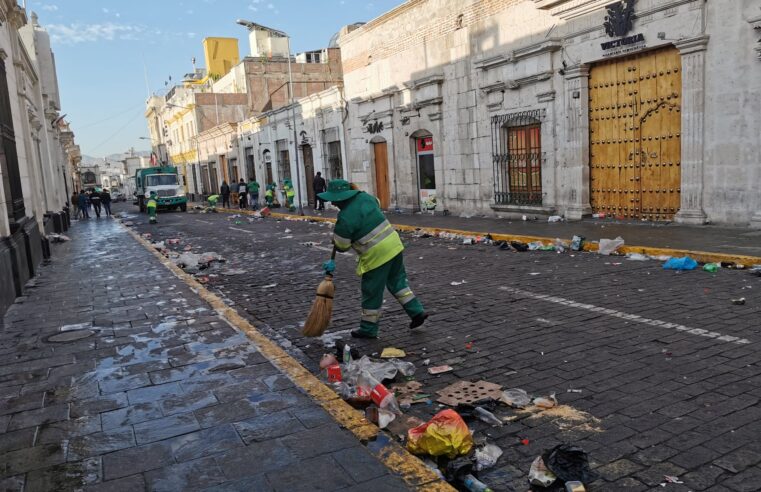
pixel 164 180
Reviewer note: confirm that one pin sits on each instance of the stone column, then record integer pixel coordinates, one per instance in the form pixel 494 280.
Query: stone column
pixel 693 52
pixel 577 141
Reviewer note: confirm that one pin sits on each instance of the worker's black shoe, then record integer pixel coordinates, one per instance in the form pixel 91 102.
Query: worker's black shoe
pixel 418 320
pixel 361 334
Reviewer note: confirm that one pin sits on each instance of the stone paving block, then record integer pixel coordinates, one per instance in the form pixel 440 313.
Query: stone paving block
pixel 135 460
pixel 266 427
pixel 385 483
pixel 319 473
pixel 30 418
pixel 12 484
pixel 22 403
pixel 191 475
pixel 319 440
pixel 205 442
pixel 128 484
pixel 94 406
pixel 311 416
pixel 133 414
pixel 258 482
pixel 100 443
pixel 163 428
pixel 154 393
pixel 12 441
pixel 267 455
pixel 119 383
pixel 67 429
pixel 33 458
pixel 359 464
pixel 188 402
pixel 66 476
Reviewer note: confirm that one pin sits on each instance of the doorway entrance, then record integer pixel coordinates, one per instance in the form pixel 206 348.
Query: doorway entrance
pixel 380 151
pixel 634 130
pixel 306 151
pixel 426 176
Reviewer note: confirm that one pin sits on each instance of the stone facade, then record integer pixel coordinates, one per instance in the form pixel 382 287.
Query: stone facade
pixel 266 143
pixel 449 70
pixel 36 150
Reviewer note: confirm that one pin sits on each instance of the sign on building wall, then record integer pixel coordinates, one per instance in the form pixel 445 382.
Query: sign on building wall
pixel 619 21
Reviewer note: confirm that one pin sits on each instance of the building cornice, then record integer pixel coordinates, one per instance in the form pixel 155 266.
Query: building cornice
pixel 547 46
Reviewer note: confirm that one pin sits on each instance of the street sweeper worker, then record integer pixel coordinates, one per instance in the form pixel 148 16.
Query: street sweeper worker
pixel 362 226
pixel 151 206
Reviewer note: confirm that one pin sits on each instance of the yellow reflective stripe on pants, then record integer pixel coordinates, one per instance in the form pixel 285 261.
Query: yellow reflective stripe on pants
pixel 371 315
pixel 404 296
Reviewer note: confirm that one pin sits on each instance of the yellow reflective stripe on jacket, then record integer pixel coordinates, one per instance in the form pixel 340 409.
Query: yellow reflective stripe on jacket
pixel 380 252
pixel 378 234
pixel 341 242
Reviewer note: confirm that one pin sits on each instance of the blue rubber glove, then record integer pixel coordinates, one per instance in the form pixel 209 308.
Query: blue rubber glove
pixel 329 266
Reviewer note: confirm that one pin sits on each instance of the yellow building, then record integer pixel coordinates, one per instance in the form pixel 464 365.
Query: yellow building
pixel 221 56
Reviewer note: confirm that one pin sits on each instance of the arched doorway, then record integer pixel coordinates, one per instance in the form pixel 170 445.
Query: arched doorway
pixel 422 144
pixel 380 168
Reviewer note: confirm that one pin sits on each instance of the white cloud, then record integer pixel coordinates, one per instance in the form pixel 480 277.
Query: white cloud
pixel 271 6
pixel 105 10
pixel 85 33
pixel 189 12
pixel 50 7
pixel 253 8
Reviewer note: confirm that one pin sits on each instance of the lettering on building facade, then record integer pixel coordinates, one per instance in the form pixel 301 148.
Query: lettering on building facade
pixel 375 127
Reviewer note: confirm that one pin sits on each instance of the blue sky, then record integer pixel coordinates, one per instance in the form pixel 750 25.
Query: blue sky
pixel 101 47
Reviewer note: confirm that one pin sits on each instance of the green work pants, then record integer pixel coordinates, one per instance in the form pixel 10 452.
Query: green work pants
pixel 391 276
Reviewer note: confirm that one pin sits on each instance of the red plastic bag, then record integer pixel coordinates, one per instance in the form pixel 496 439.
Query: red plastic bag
pixel 445 434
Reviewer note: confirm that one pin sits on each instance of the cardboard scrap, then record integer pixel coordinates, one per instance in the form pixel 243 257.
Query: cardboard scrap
pixel 468 392
pixel 405 392
pixel 439 369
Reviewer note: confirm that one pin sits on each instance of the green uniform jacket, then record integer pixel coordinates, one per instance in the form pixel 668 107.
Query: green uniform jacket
pixel 253 187
pixel 361 225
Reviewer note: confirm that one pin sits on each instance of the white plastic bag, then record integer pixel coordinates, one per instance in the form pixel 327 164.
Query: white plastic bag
pixel 487 456
pixel 539 474
pixel 608 246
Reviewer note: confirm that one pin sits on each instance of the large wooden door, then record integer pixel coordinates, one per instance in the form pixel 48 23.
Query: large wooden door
pixel 634 129
pixel 381 174
pixel 306 151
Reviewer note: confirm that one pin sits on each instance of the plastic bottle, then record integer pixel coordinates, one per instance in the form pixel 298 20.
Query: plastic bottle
pixel 347 354
pixel 486 416
pixel 475 485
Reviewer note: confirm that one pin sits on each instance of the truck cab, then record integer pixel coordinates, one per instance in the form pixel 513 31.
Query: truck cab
pixel 165 182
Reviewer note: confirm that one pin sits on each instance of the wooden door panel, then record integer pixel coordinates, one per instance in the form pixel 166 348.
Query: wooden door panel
pixel 381 174
pixel 634 125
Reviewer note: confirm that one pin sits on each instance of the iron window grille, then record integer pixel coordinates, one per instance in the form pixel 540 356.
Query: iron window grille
pixel 517 157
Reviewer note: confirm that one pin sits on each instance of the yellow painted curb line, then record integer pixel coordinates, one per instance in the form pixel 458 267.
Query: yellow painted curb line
pixel 396 458
pixel 699 256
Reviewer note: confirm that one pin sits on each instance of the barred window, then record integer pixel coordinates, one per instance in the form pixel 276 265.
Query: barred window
pixel 517 157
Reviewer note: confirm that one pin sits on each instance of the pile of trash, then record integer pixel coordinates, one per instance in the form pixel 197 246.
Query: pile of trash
pixel 195 262
pixel 385 388
pixel 58 238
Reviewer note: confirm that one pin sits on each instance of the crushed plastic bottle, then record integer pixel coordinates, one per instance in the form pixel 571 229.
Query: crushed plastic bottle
pixel 347 354
pixel 711 267
pixel 577 243
pixel 487 456
pixel 486 416
pixel 475 485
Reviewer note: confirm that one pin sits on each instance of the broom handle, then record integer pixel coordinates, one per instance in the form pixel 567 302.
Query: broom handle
pixel 332 257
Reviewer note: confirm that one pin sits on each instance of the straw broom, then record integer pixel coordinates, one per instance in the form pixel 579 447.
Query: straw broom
pixel 322 308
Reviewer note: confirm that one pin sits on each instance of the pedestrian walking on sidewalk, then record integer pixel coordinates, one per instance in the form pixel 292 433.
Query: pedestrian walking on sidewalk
pixel 362 226
pixel 253 194
pixel 75 204
pixel 105 199
pixel 82 205
pixel 319 186
pixel 224 190
pixel 242 194
pixel 95 200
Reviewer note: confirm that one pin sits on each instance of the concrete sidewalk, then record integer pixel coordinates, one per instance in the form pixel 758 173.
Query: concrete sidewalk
pixel 115 375
pixel 730 241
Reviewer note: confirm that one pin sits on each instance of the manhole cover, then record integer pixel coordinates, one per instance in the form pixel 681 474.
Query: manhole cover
pixel 70 336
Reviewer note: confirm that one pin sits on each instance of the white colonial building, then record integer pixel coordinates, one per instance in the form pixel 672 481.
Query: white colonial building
pixel 642 109
pixel 36 150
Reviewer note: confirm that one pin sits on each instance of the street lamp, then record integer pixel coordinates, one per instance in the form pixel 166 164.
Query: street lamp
pixel 280 34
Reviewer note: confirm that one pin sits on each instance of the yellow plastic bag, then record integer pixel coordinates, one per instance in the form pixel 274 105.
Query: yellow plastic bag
pixel 445 434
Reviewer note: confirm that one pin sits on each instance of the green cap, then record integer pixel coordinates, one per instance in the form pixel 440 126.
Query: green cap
pixel 338 191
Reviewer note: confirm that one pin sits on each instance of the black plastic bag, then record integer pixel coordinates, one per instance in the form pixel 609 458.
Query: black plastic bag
pixel 569 462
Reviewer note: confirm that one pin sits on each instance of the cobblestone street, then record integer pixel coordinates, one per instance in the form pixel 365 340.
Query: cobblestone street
pixel 115 376
pixel 657 372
